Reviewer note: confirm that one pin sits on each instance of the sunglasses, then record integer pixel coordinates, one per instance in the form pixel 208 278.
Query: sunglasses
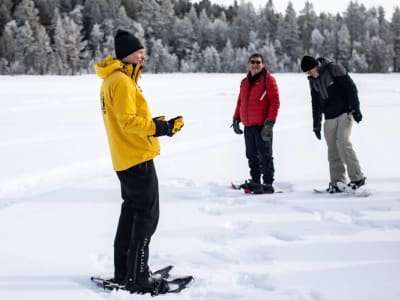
pixel 257 62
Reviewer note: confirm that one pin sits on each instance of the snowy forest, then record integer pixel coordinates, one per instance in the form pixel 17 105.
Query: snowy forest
pixel 67 37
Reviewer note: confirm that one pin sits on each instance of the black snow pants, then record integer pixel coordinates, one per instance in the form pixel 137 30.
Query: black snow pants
pixel 137 222
pixel 259 155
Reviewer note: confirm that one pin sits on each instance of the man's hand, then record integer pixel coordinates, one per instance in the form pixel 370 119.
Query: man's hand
pixel 174 125
pixel 266 131
pixel 236 126
pixel 317 133
pixel 357 116
pixel 169 127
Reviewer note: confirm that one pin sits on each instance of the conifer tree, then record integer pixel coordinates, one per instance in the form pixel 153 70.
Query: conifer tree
pixel 211 60
pixel 161 61
pixel 183 37
pixel 204 35
pixel 307 21
pixel 24 58
pixel 242 24
pixel 8 44
pixel 354 17
pixel 220 30
pixel 343 46
pixel 396 39
pixel 5 13
pixel 75 46
pixel 317 40
pixel 42 52
pixel 288 35
pixel 377 57
pixel 227 58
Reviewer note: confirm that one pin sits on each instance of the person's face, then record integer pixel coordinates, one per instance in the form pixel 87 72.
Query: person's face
pixel 313 72
pixel 136 57
pixel 255 65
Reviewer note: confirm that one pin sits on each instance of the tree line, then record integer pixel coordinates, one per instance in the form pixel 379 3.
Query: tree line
pixel 67 37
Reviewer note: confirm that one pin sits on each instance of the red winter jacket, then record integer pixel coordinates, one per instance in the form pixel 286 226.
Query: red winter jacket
pixel 253 106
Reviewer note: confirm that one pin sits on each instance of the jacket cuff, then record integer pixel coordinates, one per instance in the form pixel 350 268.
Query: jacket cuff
pixel 161 128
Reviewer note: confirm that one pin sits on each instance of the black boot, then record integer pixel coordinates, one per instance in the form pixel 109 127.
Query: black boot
pixel 356 184
pixel 264 188
pixel 147 284
pixel 333 189
pixel 139 279
pixel 250 185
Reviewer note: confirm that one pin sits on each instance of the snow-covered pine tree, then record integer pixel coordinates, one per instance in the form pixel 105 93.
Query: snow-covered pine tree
pixel 317 41
pixel 343 46
pixel 228 58
pixel 307 21
pixel 242 24
pixel 204 32
pixel 396 39
pixel 211 60
pixel 354 18
pixel 183 38
pixel 5 13
pixel 220 30
pixel 289 36
pixel 160 60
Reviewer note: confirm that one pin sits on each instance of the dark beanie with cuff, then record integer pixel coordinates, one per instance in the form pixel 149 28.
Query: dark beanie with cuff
pixel 308 63
pixel 126 43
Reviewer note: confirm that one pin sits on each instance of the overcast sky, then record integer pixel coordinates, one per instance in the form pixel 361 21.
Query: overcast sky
pixel 332 6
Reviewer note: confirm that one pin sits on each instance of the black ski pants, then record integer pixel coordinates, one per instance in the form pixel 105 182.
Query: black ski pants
pixel 137 222
pixel 259 155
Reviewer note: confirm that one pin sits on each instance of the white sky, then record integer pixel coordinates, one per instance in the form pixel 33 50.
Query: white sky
pixel 332 6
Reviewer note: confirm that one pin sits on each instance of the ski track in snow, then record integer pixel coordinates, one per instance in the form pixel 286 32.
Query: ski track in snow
pixel 57 219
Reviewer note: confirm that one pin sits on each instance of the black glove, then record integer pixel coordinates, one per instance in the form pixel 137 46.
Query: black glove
pixel 266 131
pixel 317 133
pixel 161 127
pixel 169 127
pixel 236 126
pixel 357 116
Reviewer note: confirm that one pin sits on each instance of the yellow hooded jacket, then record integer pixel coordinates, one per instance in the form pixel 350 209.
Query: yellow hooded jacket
pixel 126 115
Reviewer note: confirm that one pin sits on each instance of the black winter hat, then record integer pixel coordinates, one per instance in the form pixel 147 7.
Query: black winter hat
pixel 308 63
pixel 126 43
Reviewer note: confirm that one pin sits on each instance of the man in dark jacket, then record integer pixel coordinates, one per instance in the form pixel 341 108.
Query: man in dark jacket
pixel 334 95
pixel 257 108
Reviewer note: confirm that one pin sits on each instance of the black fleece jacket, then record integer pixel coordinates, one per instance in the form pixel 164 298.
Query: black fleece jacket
pixel 333 92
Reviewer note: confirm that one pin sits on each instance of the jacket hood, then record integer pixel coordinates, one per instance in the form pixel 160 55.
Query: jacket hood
pixel 323 64
pixel 110 65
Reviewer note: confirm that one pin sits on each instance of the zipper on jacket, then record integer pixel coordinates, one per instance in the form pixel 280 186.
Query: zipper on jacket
pixel 263 95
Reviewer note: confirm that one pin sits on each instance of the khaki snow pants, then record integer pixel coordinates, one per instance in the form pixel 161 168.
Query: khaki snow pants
pixel 337 133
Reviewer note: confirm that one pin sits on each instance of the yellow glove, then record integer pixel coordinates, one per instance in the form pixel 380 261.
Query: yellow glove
pixel 174 125
pixel 159 118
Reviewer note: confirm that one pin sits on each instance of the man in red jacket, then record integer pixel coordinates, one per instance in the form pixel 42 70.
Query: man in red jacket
pixel 257 108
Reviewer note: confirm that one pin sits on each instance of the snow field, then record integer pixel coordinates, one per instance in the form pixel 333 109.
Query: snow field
pixel 59 198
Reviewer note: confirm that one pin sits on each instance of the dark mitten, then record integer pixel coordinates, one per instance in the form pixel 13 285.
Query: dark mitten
pixel 317 133
pixel 174 125
pixel 266 131
pixel 357 116
pixel 236 126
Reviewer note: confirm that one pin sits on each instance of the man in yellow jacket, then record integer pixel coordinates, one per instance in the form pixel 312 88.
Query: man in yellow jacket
pixel 132 135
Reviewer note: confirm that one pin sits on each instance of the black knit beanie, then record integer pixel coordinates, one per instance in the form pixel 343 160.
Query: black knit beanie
pixel 126 43
pixel 308 63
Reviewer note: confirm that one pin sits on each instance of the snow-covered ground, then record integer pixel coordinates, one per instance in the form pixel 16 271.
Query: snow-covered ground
pixel 59 198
